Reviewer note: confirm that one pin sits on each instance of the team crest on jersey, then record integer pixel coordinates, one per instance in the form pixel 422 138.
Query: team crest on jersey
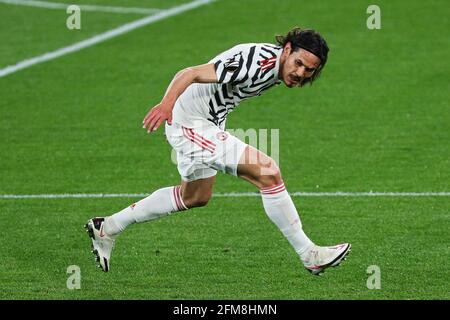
pixel 222 136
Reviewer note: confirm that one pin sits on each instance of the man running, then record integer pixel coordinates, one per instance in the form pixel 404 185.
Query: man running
pixel 194 110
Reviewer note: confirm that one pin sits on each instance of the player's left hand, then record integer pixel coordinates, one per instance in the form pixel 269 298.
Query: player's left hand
pixel 156 116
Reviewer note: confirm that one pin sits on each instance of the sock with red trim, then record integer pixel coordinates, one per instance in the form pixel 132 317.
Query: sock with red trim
pixel 159 204
pixel 281 210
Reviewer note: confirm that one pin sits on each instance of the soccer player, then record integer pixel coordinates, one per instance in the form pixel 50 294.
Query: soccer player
pixel 194 110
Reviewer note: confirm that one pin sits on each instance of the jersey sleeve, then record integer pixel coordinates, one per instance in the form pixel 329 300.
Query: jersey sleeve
pixel 235 64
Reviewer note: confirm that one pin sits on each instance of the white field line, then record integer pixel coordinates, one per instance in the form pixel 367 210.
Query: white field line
pixel 227 195
pixel 103 36
pixel 83 7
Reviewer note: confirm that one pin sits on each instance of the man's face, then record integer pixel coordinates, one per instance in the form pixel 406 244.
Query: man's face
pixel 296 66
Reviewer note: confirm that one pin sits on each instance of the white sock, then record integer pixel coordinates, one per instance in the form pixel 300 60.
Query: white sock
pixel 159 204
pixel 281 210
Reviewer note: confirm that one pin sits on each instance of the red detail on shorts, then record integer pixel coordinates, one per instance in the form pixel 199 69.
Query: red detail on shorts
pixel 132 206
pixel 199 140
pixel 208 142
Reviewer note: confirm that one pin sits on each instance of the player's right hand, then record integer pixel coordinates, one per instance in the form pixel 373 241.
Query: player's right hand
pixel 156 116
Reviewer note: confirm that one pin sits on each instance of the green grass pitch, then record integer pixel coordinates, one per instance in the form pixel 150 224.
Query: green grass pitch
pixel 378 119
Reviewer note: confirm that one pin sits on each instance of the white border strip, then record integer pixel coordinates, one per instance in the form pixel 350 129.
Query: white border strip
pixel 103 36
pixel 83 7
pixel 227 195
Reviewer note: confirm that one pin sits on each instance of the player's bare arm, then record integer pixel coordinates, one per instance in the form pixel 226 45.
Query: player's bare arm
pixel 204 73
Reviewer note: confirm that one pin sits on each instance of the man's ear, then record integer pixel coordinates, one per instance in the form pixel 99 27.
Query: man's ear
pixel 288 48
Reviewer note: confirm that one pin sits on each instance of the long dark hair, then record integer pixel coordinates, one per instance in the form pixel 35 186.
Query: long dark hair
pixel 309 40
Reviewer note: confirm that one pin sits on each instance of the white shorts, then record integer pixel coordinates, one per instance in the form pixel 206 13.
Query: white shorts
pixel 203 150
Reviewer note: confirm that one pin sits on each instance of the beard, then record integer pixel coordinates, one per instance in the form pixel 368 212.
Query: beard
pixel 296 81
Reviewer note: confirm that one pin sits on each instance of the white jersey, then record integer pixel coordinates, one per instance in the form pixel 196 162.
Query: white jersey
pixel 244 71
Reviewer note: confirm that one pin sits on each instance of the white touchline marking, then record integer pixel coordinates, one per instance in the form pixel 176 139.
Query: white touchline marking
pixel 227 195
pixel 83 7
pixel 103 36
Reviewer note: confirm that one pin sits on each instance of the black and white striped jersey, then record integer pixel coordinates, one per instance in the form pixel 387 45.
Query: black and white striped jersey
pixel 244 71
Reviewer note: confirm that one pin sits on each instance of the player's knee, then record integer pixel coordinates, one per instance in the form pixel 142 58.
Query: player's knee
pixel 270 175
pixel 270 180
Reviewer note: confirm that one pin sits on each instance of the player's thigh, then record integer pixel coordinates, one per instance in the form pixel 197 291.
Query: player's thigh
pixel 197 191
pixel 258 168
